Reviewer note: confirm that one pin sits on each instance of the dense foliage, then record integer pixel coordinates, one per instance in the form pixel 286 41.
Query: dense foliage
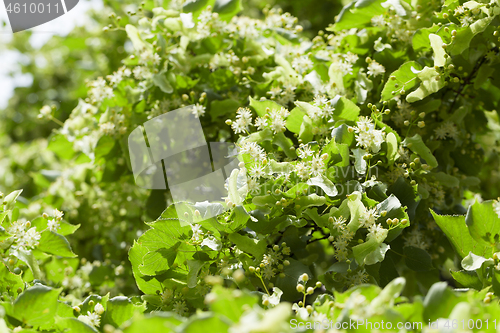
pixel 365 191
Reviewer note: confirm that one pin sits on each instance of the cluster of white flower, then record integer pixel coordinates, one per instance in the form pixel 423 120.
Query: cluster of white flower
pixel 199 110
pixel 277 118
pixel 446 130
pixel 416 238
pixel 243 120
pixel 54 224
pixel 283 95
pixel 377 231
pixel 149 57
pixel 256 152
pixel 173 300
pixel 118 76
pixel 324 108
pixel 208 23
pixel 375 69
pixel 302 64
pixel 357 278
pixel 369 217
pixel 367 136
pixel 142 73
pixel 25 236
pixel 93 319
pixel 341 241
pixel 99 90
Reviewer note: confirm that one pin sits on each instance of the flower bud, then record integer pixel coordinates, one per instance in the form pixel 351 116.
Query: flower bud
pixel 310 290
pixel 300 288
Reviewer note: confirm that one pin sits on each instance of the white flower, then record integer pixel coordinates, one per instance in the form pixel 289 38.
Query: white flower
pixel 141 72
pixel 378 21
pixel 304 151
pixel 260 123
pixel 278 122
pixel 255 151
pixel 45 111
pixel 378 232
pixel 58 214
pixel 91 319
pixel 197 232
pixel 369 217
pixel 107 128
pixel 258 171
pixel 302 64
pixel 243 120
pixel 274 92
pixel 148 56
pixel 302 170
pixel 99 309
pixel 375 69
pixel 99 90
pixel 367 136
pixel 53 225
pixel 199 110
pixel 317 166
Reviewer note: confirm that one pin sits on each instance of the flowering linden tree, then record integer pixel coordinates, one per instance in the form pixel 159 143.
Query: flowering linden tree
pixel 365 189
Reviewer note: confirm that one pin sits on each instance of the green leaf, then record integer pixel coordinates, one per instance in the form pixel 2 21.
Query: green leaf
pixel 231 303
pixel 74 325
pixel 288 283
pixel 249 245
pixel 484 224
pixel 456 231
pixel 165 322
pixel 357 14
pixel 36 306
pixel 9 279
pixel 119 309
pixel 199 323
pixel 10 200
pixel 325 184
pixel 417 259
pixel 377 255
pixel 405 79
pixel 56 244
pixel 285 144
pixel 160 80
pixel 30 260
pixel 61 146
pixel 439 302
pixel 194 269
pixel 223 108
pixel 147 285
pixel 306 133
pixel 359 162
pixel 464 35
pixel 346 109
pixel 227 8
pixel 416 145
pixel 467 279
pixel 261 106
pixel 237 187
pixel 294 120
pixel 431 82
pixel 361 251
